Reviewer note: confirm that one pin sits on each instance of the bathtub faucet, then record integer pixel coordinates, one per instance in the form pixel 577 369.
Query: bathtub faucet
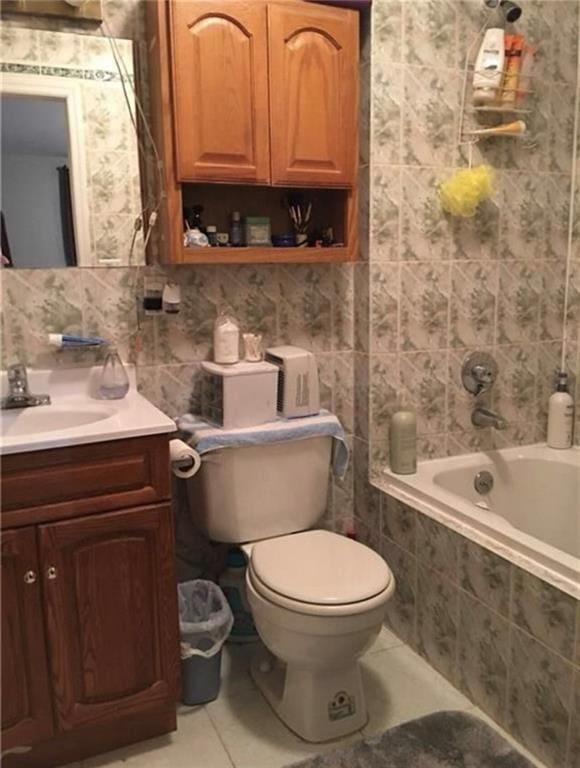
pixel 483 417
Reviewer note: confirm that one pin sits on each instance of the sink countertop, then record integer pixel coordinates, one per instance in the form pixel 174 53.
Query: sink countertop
pixel 76 416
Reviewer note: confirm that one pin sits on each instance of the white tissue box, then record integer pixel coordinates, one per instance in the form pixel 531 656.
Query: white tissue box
pixel 239 395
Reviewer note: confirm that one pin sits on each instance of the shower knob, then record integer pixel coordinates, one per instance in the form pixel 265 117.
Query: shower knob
pixel 479 372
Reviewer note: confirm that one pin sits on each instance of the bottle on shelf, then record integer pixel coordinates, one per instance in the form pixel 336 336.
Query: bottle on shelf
pixel 489 67
pixel 236 231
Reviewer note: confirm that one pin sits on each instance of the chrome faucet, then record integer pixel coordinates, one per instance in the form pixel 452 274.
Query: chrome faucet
pixel 483 417
pixel 478 373
pixel 19 395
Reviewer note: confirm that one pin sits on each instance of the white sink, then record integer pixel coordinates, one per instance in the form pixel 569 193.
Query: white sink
pixel 76 416
pixel 49 418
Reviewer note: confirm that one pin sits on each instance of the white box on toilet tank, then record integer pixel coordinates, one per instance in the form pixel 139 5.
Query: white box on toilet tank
pixel 239 395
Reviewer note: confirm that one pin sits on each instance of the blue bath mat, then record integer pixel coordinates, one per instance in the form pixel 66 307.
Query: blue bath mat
pixel 441 740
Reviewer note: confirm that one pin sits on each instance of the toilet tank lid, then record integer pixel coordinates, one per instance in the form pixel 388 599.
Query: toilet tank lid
pixel 239 369
pixel 320 567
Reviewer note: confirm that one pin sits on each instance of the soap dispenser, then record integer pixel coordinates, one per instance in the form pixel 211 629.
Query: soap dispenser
pixel 560 415
pixel 114 382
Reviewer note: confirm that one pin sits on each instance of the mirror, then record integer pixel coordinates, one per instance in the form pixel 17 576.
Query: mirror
pixel 70 188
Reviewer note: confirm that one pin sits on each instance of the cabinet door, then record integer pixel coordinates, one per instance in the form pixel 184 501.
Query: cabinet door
pixel 111 617
pixel 313 94
pixel 26 706
pixel 220 86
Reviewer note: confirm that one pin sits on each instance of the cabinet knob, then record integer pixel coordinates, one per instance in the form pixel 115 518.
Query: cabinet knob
pixel 29 577
pixel 51 572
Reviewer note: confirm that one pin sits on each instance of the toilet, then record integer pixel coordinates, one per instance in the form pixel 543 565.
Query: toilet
pixel 318 599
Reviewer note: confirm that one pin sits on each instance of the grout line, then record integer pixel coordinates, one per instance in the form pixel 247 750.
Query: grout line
pixel 219 736
pixel 571 713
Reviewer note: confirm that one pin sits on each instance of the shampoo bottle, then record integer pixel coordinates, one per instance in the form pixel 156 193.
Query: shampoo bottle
pixel 489 67
pixel 560 415
pixel 403 442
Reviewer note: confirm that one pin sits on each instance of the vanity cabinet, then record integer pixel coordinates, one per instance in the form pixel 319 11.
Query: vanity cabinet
pixel 90 653
pixel 109 626
pixel 26 700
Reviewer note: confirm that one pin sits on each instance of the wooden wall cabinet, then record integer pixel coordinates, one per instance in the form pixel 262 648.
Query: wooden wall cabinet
pixel 90 651
pixel 257 93
pixel 313 72
pixel 265 92
pixel 220 83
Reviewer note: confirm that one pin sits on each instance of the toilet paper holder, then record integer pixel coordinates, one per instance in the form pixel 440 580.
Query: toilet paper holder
pixel 185 460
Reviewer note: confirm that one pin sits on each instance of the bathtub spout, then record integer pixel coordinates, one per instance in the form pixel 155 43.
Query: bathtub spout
pixel 483 417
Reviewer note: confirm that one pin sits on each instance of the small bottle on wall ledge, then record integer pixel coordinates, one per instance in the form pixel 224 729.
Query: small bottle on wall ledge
pixel 560 415
pixel 403 442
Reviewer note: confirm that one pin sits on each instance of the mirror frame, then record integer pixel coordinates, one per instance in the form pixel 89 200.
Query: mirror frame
pixel 47 86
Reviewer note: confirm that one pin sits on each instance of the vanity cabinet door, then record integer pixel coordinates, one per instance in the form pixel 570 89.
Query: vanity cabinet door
pixel 111 615
pixel 220 87
pixel 313 94
pixel 26 706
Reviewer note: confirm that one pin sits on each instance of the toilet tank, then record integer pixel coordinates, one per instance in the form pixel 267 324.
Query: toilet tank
pixel 257 492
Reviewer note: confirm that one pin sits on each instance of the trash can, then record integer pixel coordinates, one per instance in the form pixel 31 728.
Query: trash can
pixel 205 621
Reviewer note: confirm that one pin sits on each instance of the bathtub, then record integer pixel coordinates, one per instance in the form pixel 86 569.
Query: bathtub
pixel 531 516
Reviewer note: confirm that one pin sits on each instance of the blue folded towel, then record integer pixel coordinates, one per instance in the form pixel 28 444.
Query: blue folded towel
pixel 205 437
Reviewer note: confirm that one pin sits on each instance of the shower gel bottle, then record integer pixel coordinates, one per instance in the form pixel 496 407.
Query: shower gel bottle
pixel 560 415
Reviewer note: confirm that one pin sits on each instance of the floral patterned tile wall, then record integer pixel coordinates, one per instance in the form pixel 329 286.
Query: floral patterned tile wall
pixel 439 286
pixel 311 306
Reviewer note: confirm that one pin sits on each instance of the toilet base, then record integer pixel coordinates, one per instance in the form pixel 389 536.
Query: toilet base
pixel 317 704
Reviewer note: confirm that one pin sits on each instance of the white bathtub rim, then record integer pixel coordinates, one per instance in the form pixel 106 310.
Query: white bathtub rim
pixel 534 557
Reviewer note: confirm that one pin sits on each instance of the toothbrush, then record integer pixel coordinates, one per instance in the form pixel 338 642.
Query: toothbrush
pixel 63 340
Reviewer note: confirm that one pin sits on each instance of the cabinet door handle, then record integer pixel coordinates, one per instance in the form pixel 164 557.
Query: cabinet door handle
pixel 51 572
pixel 29 577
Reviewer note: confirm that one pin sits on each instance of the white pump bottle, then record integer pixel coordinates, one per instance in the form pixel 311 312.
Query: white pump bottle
pixel 560 415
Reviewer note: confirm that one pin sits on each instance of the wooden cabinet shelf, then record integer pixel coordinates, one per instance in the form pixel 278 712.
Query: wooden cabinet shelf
pixel 265 255
pixel 254 93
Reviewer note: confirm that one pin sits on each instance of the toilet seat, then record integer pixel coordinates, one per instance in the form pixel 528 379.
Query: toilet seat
pixel 320 573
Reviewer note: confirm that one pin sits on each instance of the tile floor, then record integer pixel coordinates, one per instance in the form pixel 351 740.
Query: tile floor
pixel 239 730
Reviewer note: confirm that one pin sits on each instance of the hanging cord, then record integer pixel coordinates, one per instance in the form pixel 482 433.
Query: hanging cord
pixel 155 205
pixel 573 182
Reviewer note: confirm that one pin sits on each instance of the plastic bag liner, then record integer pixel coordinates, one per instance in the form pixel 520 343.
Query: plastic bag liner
pixel 205 618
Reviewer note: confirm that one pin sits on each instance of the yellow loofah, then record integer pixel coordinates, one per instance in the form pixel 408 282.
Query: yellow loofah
pixel 465 190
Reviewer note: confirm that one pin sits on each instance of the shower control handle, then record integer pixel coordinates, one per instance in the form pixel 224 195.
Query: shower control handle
pixel 479 372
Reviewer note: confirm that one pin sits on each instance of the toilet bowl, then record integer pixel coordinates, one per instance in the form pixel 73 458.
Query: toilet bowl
pixel 317 599
pixel 318 603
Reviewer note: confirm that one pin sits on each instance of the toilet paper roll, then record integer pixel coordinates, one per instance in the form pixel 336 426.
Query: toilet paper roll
pixel 185 460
